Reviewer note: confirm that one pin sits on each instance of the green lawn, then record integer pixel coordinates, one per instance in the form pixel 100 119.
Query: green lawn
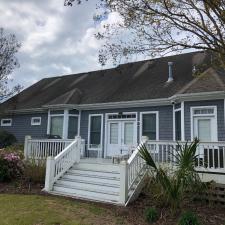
pixel 45 210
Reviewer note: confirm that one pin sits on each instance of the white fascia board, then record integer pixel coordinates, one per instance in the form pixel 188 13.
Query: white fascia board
pixel 199 96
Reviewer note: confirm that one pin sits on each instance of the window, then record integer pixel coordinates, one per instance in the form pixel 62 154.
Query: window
pixel 178 125
pixel 95 131
pixel 72 127
pixel 56 125
pixel 36 121
pixel 122 116
pixel 149 125
pixel 204 123
pixel 6 122
pixel 203 111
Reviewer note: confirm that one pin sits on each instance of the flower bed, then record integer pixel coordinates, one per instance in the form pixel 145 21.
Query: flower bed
pixel 11 165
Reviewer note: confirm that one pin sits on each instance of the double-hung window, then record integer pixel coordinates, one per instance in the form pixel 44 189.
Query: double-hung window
pixel 56 125
pixel 149 125
pixel 178 125
pixel 72 127
pixel 95 131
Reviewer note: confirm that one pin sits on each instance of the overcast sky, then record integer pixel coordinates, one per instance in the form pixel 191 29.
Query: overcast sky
pixel 55 39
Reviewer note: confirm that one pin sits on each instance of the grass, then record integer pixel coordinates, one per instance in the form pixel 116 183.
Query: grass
pixel 48 210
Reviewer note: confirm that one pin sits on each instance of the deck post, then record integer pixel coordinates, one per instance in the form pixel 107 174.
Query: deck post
pixel 50 167
pixel 78 153
pixel 123 182
pixel 26 146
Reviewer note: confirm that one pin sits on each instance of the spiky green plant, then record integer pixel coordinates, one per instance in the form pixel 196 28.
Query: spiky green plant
pixel 185 176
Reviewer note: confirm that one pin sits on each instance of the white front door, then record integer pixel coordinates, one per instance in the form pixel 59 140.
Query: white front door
pixel 205 128
pixel 121 135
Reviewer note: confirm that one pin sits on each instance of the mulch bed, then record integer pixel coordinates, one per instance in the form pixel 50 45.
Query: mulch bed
pixel 209 213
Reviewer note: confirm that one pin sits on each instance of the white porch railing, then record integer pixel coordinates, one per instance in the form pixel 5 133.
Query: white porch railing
pixel 210 155
pixel 132 173
pixel 57 166
pixel 42 148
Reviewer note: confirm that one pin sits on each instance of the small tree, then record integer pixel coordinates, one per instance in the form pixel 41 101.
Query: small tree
pixel 9 46
pixel 185 177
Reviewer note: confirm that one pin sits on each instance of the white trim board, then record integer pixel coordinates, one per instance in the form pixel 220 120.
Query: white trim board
pixel 89 129
pixel 203 115
pixel 6 125
pixel 35 123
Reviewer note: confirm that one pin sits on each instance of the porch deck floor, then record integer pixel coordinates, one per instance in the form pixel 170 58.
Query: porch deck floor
pixel 98 161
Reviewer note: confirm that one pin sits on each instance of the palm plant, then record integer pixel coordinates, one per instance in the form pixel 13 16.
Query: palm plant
pixel 184 177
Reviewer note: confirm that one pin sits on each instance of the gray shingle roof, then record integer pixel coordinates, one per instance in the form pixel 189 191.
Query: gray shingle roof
pixel 127 82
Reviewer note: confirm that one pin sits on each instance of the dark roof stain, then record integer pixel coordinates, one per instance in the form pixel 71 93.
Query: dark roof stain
pixel 128 82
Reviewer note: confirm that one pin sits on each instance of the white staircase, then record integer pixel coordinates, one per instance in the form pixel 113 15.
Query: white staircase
pixel 94 179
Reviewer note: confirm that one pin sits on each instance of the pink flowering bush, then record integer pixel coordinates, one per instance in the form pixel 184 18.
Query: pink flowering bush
pixel 11 166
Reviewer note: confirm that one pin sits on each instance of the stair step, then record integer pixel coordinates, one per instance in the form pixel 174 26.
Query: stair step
pixel 85 197
pixel 96 179
pixel 88 185
pixel 102 175
pixel 95 172
pixel 99 167
pixel 89 194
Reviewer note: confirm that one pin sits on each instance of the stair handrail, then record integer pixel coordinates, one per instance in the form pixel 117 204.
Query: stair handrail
pixel 135 166
pixel 58 165
pixel 130 171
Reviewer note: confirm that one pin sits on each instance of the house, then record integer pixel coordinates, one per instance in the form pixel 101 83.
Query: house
pixel 169 99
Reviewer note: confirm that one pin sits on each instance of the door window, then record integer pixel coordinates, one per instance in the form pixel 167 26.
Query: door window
pixel 128 133
pixel 114 133
pixel 204 129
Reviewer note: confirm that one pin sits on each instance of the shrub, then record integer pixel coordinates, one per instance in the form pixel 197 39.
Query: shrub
pixel 151 215
pixel 35 171
pixel 15 148
pixel 6 139
pixel 11 166
pixel 175 185
pixel 189 218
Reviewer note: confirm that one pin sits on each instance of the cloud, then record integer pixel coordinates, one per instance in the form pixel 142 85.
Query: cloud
pixel 56 40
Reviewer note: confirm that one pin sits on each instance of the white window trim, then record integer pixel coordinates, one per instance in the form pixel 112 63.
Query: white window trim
pixel 124 113
pixel 157 123
pixel 192 115
pixel 89 130
pixel 6 125
pixel 35 124
pixel 174 122
pixel 78 123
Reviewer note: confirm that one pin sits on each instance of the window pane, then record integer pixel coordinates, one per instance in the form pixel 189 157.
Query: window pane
pixel 149 126
pixel 56 125
pixel 95 131
pixel 72 127
pixel 178 125
pixel 113 133
pixel 128 133
pixel 204 129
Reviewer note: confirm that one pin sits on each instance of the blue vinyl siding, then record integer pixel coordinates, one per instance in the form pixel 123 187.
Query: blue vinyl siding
pixel 165 120
pixel 220 117
pixel 21 126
